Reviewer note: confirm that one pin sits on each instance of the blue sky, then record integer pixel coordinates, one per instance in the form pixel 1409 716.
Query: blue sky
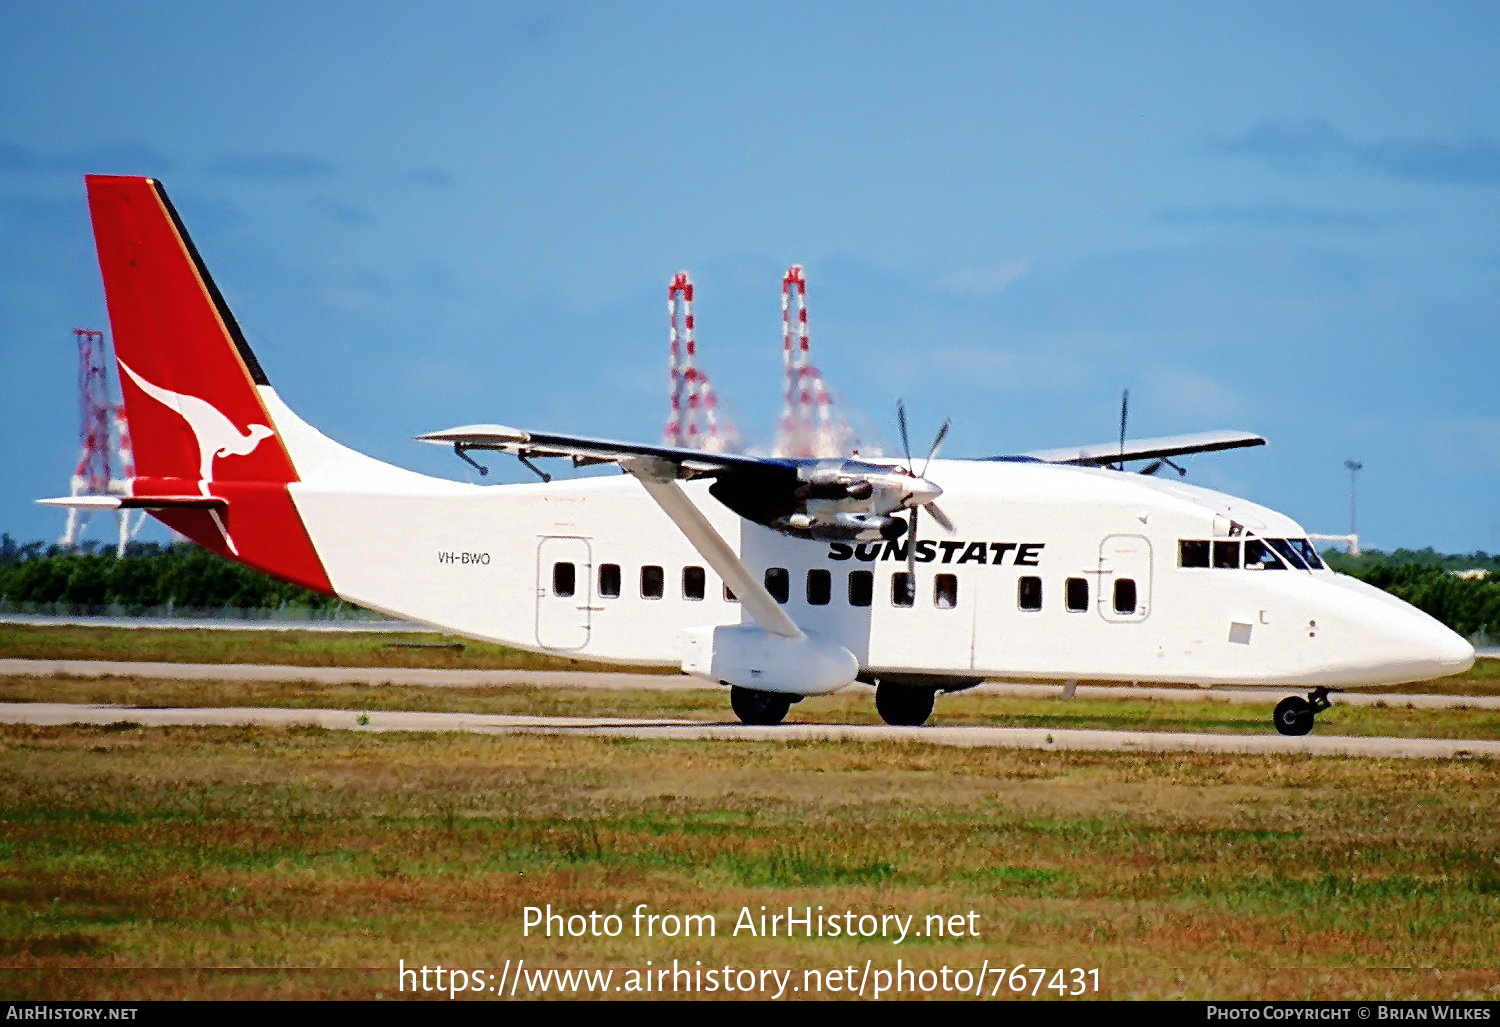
pixel 1276 216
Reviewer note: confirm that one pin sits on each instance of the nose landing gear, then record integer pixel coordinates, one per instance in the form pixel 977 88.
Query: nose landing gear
pixel 759 708
pixel 1294 714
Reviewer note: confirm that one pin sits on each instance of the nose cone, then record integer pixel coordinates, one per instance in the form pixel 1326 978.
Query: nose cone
pixel 1425 648
pixel 1455 654
pixel 1392 642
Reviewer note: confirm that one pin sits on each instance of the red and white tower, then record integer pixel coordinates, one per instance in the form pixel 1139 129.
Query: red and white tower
pixel 809 425
pixel 105 464
pixel 695 421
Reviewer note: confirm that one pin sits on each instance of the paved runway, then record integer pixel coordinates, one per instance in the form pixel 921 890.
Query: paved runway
pixel 995 737
pixel 655 682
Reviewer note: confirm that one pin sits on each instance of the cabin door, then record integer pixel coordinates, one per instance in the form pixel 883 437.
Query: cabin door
pixel 1124 579
pixel 564 591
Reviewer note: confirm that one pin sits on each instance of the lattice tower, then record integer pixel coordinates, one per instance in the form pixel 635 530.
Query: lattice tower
pixel 105 463
pixel 695 421
pixel 809 425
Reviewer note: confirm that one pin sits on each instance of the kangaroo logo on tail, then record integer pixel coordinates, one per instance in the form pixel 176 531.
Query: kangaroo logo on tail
pixel 215 434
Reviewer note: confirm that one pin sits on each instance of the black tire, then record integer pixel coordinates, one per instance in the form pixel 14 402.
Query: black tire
pixel 758 708
pixel 1293 716
pixel 903 706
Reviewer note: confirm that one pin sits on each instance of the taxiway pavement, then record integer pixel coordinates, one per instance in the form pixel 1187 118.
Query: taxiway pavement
pixel 994 737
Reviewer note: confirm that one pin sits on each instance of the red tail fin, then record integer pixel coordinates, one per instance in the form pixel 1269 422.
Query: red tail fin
pixel 186 373
pixel 197 422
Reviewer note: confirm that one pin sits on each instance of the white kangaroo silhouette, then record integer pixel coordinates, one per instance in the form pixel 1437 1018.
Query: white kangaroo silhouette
pixel 215 434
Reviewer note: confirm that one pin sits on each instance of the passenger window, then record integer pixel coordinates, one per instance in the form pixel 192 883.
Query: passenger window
pixel 903 589
pixel 1227 555
pixel 1125 595
pixel 652 582
pixel 609 580
pixel 945 591
pixel 819 587
pixel 693 580
pixel 1078 595
pixel 861 588
pixel 564 579
pixel 1258 557
pixel 1029 593
pixel 778 583
pixel 1192 553
pixel 729 596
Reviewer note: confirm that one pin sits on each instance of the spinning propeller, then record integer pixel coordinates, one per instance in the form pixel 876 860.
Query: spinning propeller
pixel 923 493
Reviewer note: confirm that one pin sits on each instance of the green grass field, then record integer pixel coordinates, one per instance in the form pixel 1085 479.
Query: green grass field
pixel 302 863
pixel 305 863
pixel 293 647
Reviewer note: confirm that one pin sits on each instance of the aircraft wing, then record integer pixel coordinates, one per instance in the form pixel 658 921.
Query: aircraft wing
pixel 1106 453
pixel 656 468
pixel 688 463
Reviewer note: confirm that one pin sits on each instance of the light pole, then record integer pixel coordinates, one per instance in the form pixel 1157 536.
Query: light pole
pixel 1354 468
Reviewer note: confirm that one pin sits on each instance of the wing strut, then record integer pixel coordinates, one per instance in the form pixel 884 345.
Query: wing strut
pixel 658 477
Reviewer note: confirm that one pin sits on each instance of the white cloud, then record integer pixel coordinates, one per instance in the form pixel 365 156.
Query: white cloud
pixel 1191 396
pixel 982 281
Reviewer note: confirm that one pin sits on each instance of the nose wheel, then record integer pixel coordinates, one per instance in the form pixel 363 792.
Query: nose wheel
pixel 759 708
pixel 1294 715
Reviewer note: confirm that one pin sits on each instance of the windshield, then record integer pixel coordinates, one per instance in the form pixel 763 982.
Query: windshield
pixel 1258 557
pixel 1288 552
pixel 1308 552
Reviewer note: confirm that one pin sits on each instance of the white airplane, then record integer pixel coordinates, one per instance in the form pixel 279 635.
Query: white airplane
pixel 779 578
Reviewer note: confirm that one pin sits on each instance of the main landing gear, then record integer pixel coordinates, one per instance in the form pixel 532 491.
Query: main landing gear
pixel 1294 714
pixel 759 708
pixel 904 705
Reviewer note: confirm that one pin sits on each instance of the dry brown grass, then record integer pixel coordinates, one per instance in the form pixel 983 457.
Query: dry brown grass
pixel 851 706
pixel 308 862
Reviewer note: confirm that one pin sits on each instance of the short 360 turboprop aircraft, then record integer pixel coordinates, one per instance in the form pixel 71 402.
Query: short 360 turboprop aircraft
pixel 780 578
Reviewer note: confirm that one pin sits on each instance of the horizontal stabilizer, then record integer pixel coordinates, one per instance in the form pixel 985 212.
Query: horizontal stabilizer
pixel 188 502
pixel 1106 453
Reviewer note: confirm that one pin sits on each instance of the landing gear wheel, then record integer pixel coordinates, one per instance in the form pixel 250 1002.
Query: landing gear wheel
pixel 902 706
pixel 758 708
pixel 1293 716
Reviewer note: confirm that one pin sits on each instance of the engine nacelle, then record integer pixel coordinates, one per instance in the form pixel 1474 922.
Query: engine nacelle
pixel 745 655
pixel 842 526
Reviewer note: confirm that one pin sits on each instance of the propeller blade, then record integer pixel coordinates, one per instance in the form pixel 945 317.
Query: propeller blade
pixel 1124 412
pixel 911 547
pixel 937 444
pixel 905 435
pixel 940 517
pixel 1153 467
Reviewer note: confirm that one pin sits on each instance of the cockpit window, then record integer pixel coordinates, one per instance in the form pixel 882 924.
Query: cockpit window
pixel 1288 552
pixel 1308 552
pixel 1259 557
pixel 1226 555
pixel 1192 553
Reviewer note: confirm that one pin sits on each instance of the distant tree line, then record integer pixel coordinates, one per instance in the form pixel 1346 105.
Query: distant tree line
pixel 183 575
pixel 150 576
